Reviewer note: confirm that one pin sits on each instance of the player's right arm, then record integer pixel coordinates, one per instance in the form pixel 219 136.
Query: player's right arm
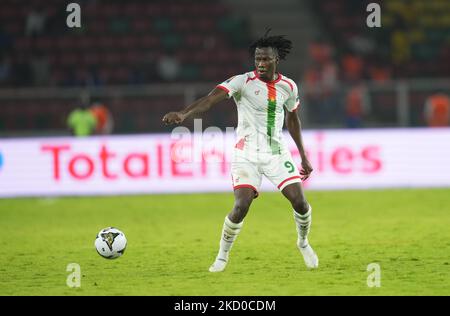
pixel 223 91
pixel 201 105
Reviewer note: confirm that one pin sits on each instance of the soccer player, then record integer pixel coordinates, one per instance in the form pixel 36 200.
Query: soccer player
pixel 261 97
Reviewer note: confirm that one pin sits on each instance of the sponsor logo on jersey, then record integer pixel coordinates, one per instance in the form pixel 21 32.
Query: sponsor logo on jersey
pixel 1 160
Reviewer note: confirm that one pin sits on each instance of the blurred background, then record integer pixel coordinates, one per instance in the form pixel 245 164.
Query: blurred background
pixel 136 60
pixel 370 99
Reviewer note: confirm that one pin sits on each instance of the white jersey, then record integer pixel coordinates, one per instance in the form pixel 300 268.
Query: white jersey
pixel 260 106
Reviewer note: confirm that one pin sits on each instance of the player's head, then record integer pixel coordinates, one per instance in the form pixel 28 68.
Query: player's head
pixel 267 52
pixel 85 99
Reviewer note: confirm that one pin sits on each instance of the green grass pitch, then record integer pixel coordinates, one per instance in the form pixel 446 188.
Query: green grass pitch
pixel 172 240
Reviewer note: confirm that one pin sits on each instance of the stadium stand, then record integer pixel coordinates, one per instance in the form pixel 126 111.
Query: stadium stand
pixel 414 39
pixel 132 34
pixel 140 42
pixel 119 43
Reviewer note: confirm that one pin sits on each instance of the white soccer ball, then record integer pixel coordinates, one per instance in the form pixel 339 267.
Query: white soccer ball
pixel 110 243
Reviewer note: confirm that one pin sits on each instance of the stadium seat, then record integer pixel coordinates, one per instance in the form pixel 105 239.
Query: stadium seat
pixel 121 41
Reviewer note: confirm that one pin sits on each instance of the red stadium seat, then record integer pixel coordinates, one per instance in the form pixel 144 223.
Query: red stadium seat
pixel 70 59
pixel 105 42
pixel 92 58
pixel 149 41
pixel 131 9
pixel 120 75
pixel 65 43
pixel 112 58
pixel 97 26
pixel 154 9
pixel 44 43
pixel 133 57
pixel 23 43
pixel 142 25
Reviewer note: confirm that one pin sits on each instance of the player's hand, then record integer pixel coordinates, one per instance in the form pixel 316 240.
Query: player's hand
pixel 174 118
pixel 307 169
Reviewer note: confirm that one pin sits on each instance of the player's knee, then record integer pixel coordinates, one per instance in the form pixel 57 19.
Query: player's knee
pixel 300 205
pixel 242 206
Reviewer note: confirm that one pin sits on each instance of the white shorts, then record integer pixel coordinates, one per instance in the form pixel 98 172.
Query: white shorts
pixel 279 169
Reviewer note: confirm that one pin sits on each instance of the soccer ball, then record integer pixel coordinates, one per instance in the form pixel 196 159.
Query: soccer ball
pixel 110 243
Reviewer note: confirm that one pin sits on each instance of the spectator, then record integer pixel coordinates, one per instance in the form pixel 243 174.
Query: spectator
pixel 81 122
pixel 40 69
pixel 437 110
pixel 355 107
pixel 320 51
pixel 379 74
pixel 401 51
pixel 352 67
pixel 361 44
pixel 168 67
pixel 103 118
pixel 35 22
pixel 5 69
pixel 378 69
pixel 321 82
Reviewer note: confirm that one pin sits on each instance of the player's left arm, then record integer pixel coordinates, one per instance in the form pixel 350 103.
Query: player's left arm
pixel 294 127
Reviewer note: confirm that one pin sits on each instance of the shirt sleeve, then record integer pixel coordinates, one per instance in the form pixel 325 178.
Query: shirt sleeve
pixel 293 101
pixel 233 85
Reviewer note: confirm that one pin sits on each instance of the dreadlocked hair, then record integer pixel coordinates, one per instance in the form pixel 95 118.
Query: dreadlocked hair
pixel 278 42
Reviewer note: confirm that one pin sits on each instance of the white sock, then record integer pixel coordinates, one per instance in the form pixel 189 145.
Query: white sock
pixel 303 223
pixel 229 233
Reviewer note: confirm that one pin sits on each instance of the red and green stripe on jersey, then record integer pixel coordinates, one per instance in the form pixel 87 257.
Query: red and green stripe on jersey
pixel 271 117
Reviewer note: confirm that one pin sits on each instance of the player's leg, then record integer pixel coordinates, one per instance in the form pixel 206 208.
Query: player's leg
pixel 243 198
pixel 246 178
pixel 301 210
pixel 283 173
pixel 232 226
pixel 303 218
